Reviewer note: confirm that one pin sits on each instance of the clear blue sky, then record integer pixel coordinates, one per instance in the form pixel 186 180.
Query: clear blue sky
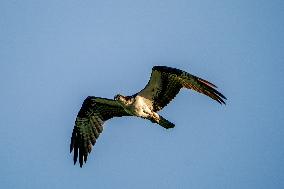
pixel 55 53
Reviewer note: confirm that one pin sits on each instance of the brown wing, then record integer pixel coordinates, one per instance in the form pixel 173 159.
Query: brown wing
pixel 165 83
pixel 89 124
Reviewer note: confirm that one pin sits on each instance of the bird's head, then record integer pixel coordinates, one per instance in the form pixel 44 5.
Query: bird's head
pixel 122 99
pixel 119 97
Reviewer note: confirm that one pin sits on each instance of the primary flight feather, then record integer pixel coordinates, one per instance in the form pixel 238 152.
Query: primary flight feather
pixel 164 84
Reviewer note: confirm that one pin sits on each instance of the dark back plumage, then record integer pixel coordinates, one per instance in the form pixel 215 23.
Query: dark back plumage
pixel 166 82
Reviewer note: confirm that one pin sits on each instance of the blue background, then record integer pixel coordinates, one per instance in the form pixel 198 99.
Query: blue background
pixel 55 53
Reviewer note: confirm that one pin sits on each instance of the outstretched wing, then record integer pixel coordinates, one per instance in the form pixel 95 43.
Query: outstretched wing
pixel 89 124
pixel 165 83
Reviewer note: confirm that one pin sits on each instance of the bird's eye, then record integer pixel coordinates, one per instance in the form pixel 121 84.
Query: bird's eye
pixel 116 97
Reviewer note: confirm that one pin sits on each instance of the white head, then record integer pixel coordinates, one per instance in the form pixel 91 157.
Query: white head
pixel 121 99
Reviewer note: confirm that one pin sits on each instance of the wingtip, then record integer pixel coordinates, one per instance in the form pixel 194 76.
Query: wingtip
pixel 222 102
pixel 207 82
pixel 81 164
pixel 71 148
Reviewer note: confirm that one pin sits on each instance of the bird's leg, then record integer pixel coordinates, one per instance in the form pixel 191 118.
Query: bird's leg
pixel 154 117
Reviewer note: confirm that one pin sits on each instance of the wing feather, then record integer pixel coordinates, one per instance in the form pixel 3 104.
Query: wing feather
pixel 89 124
pixel 166 82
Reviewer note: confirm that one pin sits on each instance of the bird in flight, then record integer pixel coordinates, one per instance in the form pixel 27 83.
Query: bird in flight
pixel 164 84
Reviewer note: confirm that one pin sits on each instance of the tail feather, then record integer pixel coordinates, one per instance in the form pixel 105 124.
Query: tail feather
pixel 165 123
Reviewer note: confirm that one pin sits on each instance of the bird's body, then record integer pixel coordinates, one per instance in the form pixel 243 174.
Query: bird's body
pixel 164 84
pixel 141 107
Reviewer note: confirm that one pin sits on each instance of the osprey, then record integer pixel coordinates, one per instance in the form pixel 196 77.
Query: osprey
pixel 164 84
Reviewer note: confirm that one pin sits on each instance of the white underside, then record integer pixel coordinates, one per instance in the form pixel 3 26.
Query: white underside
pixel 141 108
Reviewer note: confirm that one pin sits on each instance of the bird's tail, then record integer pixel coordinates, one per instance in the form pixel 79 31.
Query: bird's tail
pixel 165 123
